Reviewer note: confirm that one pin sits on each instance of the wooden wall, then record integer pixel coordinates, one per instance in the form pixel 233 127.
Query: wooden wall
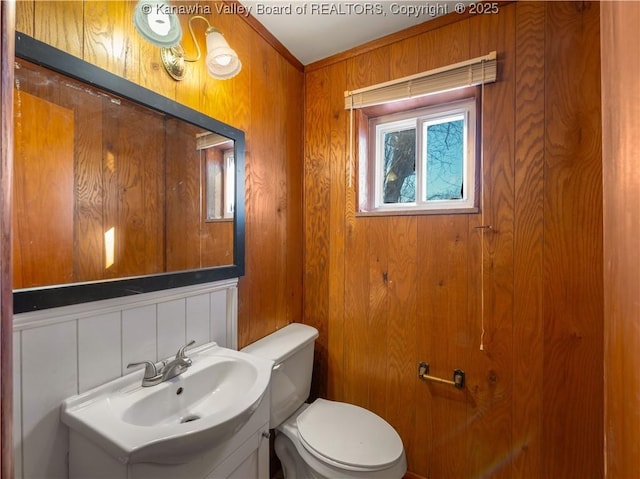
pixel 264 100
pixel 98 174
pixel 7 46
pixel 621 158
pixel 387 292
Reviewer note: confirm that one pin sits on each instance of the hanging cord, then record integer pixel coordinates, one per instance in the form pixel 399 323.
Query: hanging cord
pixel 484 227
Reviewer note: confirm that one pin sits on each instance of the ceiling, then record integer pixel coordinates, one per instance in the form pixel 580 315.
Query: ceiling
pixel 313 30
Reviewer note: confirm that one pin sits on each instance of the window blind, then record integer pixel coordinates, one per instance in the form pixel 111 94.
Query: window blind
pixel 472 72
pixel 209 140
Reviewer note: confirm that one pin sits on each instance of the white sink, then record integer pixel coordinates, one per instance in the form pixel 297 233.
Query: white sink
pixel 175 420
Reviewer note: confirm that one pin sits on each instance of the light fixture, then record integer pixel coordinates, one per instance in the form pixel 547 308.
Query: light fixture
pixel 157 23
pixel 222 61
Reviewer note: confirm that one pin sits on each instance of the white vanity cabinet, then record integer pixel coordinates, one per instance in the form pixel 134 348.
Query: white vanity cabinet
pixel 244 455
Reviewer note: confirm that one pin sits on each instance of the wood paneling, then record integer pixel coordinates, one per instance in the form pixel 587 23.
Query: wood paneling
pixel 573 281
pixel 184 198
pixel 528 312
pixel 87 174
pixel 317 171
pixel 43 209
pixel 58 23
pixel 441 290
pixel 388 292
pixel 134 189
pixel 620 26
pixel 7 45
pixel 89 260
pixel 191 240
pixel 265 100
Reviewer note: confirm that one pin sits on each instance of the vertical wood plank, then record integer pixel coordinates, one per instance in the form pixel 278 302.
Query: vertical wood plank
pixel 132 186
pixel 573 293
pixel 528 312
pixel 183 197
pixel 39 234
pixel 401 329
pixel 294 247
pixel 25 16
pixel 376 349
pixel 442 338
pixel 109 35
pixel 338 170
pixel 7 48
pixel 316 205
pixel 281 195
pixel 89 239
pixel 60 24
pixel 264 181
pixel 444 46
pixel 620 24
pixel 491 286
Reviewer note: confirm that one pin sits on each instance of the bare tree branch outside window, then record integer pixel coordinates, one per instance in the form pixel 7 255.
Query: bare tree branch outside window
pixel 400 166
pixel 445 163
pixel 444 145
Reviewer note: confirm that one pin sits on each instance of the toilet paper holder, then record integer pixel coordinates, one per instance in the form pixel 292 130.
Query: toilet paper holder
pixel 458 376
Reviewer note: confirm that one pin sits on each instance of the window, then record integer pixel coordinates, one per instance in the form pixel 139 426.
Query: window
pixel 218 179
pixel 219 184
pixel 415 139
pixel 421 160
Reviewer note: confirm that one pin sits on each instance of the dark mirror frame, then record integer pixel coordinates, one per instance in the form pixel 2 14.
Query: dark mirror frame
pixel 25 300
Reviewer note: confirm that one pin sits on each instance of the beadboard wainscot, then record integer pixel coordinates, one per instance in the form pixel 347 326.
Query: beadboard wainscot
pixel 65 351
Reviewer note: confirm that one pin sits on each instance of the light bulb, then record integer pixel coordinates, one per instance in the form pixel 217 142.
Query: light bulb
pixel 158 21
pixel 223 60
pixel 157 24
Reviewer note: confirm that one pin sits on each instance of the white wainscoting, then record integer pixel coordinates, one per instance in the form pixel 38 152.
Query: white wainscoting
pixel 65 351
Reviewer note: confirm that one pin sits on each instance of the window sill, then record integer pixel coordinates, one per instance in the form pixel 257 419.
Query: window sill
pixel 419 212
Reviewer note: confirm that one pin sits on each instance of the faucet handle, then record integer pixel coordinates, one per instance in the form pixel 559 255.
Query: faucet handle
pixel 150 370
pixel 180 354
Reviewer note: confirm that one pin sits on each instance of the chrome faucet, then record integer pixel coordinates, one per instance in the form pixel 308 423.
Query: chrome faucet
pixel 168 369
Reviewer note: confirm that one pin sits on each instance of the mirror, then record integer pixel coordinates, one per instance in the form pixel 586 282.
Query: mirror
pixel 117 190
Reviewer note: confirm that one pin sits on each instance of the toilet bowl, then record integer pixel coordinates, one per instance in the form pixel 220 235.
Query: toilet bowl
pixel 328 439
pixel 324 439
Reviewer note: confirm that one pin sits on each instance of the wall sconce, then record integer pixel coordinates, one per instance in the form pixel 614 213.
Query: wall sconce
pixel 157 23
pixel 222 61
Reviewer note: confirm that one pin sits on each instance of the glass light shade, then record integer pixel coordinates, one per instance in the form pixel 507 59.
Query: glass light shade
pixel 156 23
pixel 222 60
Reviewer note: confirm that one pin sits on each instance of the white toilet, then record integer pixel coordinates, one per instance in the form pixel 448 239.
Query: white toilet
pixel 324 439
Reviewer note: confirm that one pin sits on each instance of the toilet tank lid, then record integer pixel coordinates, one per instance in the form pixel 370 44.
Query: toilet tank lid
pixel 281 344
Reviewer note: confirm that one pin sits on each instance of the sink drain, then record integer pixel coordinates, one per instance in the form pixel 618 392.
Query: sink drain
pixel 189 418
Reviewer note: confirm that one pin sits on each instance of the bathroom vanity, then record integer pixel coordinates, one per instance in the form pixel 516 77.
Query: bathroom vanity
pixel 210 421
pixel 244 455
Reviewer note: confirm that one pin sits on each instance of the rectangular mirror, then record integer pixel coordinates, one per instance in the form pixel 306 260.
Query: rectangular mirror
pixel 117 190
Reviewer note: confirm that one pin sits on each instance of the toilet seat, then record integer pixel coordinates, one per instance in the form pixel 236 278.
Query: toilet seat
pixel 348 435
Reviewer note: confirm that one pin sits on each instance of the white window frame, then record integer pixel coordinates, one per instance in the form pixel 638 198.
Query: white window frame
pixel 229 183
pixel 421 119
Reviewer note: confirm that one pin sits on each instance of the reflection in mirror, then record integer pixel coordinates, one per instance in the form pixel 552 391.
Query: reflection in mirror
pixel 107 188
pixel 218 176
pixel 193 240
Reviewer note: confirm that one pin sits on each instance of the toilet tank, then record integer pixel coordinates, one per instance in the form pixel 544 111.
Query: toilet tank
pixel 291 349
